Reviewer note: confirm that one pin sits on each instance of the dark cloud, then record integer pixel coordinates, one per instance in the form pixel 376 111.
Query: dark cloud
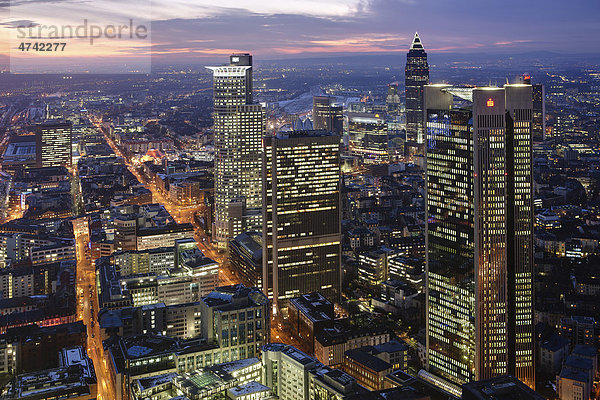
pixel 22 23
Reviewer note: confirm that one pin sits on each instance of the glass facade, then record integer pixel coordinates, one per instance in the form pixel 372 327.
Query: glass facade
pixel 368 136
pixel 450 244
pixel 520 135
pixel 480 235
pixel 328 116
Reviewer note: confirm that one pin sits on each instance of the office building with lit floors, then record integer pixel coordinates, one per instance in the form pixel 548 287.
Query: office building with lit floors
pixel 368 136
pixel 416 75
pixel 239 125
pixel 327 115
pixel 538 127
pixel 53 143
pixel 479 233
pixel 301 208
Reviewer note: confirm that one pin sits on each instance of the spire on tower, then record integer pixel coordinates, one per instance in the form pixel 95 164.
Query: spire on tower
pixel 416 43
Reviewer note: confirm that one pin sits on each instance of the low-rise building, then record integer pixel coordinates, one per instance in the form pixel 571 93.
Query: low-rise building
pixel 74 379
pixel 163 236
pixel 287 371
pixel 331 344
pixel 408 270
pixel 236 318
pixel 211 382
pixel 505 387
pixel 551 354
pixel 309 315
pixel 368 370
pixel 154 261
pixel 578 329
pixel 197 276
pixel 245 256
pixel 373 267
pixel 177 320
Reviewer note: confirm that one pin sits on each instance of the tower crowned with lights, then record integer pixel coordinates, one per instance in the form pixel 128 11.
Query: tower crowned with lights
pixel 416 77
pixel 239 125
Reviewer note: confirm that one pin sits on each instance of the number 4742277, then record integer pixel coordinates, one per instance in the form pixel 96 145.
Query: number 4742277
pixel 41 46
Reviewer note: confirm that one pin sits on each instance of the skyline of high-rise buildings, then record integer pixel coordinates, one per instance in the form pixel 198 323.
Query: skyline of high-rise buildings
pixel 404 247
pixel 479 233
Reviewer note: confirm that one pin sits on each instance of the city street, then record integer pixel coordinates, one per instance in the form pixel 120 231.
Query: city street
pixel 280 331
pixel 181 214
pixel 88 310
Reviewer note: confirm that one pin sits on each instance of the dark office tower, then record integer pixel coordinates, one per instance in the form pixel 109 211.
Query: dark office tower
pixel 538 128
pixel 327 116
pixel 392 100
pixel 539 113
pixel 479 233
pixel 53 144
pixel 301 208
pixel 416 76
pixel 239 125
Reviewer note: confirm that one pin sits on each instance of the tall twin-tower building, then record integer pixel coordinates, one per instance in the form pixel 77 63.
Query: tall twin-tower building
pixel 479 225
pixel 479 232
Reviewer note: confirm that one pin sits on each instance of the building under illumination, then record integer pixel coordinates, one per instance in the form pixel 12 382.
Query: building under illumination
pixel 301 205
pixel 538 127
pixel 480 233
pixel 239 125
pixel 327 115
pixel 416 77
pixel 368 133
pixel 53 144
pixel 539 112
pixel 392 100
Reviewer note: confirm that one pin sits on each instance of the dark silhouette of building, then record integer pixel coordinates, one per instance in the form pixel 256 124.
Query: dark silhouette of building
pixel 327 115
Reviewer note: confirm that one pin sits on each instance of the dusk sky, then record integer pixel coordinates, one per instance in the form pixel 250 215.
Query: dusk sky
pixel 183 30
pixel 299 27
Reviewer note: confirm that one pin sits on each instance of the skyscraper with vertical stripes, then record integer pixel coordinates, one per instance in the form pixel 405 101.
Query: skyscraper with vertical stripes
pixel 479 233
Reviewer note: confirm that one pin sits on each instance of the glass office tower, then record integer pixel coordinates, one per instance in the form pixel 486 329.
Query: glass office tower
pixel 368 136
pixel 479 233
pixel 327 115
